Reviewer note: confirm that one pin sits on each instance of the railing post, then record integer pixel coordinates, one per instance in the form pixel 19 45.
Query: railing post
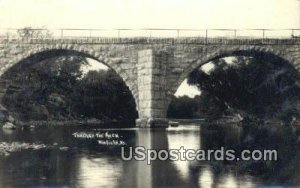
pixel 119 33
pixel 235 33
pixel 293 33
pixel 90 33
pixel 178 33
pixel 206 36
pixel 62 33
pixel 263 37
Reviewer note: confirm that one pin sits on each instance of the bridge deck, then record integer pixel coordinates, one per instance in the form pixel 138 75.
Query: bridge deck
pixel 152 40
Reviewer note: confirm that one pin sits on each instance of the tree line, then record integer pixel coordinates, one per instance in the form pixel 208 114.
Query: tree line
pixel 61 91
pixel 260 86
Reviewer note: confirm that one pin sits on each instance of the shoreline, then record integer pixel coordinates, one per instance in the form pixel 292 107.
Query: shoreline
pixel 72 123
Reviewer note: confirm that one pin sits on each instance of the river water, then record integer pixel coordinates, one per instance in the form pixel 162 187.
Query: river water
pixel 91 157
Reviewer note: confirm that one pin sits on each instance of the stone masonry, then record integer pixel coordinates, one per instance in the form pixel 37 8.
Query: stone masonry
pixel 153 68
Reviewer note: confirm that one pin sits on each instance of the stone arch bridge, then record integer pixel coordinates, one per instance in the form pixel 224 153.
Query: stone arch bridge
pixel 152 68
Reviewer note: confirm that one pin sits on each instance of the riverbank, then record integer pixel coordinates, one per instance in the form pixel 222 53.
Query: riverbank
pixel 71 123
pixel 7 148
pixel 188 121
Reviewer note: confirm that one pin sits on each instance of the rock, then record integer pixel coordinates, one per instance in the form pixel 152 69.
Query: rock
pixel 10 119
pixel 64 148
pixel 9 125
pixel 6 154
pixel 7 148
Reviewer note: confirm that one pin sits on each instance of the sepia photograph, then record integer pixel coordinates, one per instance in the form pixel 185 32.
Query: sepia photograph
pixel 149 93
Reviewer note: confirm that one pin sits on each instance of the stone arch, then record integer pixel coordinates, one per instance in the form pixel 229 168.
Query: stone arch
pixel 42 52
pixel 225 52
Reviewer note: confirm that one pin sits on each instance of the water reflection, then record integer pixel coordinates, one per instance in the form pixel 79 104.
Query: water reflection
pixel 93 169
pixel 86 163
pixel 187 137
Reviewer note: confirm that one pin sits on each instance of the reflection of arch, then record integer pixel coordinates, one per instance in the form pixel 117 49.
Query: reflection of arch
pixel 225 52
pixel 40 53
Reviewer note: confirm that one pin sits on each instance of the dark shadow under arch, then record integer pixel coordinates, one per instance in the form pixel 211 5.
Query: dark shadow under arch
pixel 197 63
pixel 53 53
pixel 265 55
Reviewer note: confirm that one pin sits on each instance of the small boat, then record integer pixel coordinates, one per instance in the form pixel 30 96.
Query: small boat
pixel 173 123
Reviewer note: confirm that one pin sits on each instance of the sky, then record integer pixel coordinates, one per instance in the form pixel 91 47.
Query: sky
pixel 134 14
pixel 109 14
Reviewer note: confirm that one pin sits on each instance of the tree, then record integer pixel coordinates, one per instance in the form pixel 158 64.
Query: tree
pixel 40 87
pixel 104 95
pixel 61 91
pixel 256 85
pixel 182 107
pixel 30 33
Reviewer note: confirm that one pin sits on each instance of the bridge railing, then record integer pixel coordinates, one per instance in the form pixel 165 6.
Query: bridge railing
pixel 205 34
